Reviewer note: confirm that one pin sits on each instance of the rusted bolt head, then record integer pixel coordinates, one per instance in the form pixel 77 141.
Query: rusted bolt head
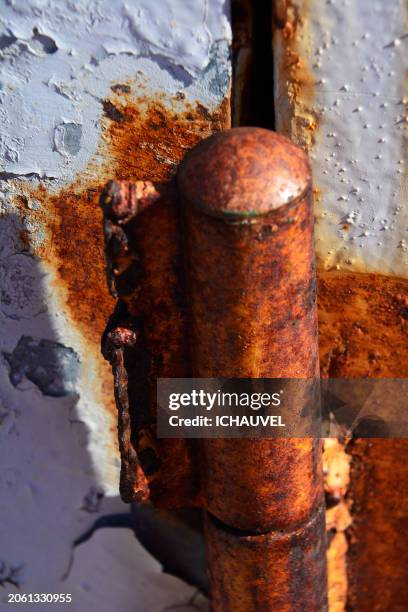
pixel 243 172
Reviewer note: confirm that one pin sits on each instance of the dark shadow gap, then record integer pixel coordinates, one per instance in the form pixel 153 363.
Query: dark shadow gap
pixel 252 96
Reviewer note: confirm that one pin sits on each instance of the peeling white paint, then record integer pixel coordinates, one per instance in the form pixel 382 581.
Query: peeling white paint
pixel 357 55
pixel 48 85
pixel 140 584
pixel 58 61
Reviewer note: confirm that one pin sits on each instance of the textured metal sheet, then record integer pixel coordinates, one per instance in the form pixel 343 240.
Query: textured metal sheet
pixel 341 91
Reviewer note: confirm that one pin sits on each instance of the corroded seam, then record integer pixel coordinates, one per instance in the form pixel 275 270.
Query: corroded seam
pixel 273 571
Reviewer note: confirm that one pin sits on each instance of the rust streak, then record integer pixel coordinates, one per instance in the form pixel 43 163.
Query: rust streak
pixel 145 139
pixel 296 87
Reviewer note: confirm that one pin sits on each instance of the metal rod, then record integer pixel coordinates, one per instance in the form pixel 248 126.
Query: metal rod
pixel 246 196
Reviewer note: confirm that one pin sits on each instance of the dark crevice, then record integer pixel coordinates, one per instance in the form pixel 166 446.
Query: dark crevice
pixel 252 64
pixel 5 176
pixel 331 500
pixel 245 533
pixel 240 533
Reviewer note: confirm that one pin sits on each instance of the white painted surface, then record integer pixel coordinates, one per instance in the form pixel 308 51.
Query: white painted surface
pixel 58 472
pixel 114 572
pixel 357 55
pixel 96 42
pixel 139 583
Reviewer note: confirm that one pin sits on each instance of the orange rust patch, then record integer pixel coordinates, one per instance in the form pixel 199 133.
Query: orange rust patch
pixel 336 570
pixel 377 563
pixel 75 247
pixel 151 138
pixel 363 331
pixel 143 137
pixel 363 325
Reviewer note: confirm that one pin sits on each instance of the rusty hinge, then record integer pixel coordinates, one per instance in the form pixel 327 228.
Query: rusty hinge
pixel 215 278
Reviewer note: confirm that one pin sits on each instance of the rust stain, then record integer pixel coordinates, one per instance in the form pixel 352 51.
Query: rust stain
pixel 377 561
pixel 296 67
pixel 153 136
pixel 142 136
pixel 296 79
pixel 366 337
pixel 75 247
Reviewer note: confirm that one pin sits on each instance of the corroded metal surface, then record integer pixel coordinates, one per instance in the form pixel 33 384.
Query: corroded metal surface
pixel 268 572
pixel 250 279
pixel 340 74
pixel 377 559
pixel 150 139
pixel 144 256
pixel 246 215
pixel 368 337
pixel 244 173
pixel 251 326
pixel 118 343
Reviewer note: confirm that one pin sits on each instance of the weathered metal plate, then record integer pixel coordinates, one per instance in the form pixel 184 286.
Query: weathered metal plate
pixel 89 91
pixel 340 75
pixel 341 91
